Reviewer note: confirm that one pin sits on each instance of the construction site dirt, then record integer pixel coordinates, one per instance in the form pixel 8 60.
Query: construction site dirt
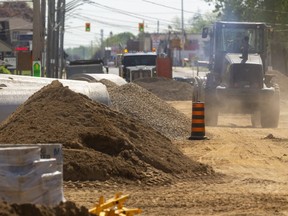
pixel 239 170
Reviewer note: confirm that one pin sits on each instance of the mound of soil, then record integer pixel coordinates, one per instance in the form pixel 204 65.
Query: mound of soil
pixel 98 143
pixel 167 89
pixel 67 208
pixel 137 102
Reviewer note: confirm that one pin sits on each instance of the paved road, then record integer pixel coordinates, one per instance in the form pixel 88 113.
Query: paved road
pixel 185 72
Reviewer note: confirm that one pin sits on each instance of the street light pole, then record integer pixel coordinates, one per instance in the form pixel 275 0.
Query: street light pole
pixel 36 43
pixel 182 17
pixel 42 35
pixel 50 50
pixel 61 54
pixel 183 32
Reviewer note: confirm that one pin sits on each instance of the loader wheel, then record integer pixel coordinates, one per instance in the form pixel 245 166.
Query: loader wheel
pixel 270 112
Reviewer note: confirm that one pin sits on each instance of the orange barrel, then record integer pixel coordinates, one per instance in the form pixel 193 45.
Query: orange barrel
pixel 198 121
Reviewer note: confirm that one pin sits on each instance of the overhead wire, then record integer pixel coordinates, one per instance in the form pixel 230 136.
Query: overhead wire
pixel 154 24
pixel 123 12
pixel 149 23
pixel 173 8
pixel 152 27
pixel 113 24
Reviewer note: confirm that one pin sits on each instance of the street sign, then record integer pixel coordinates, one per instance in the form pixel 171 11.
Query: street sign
pixel 11 62
pixel 25 37
pixel 21 48
pixel 36 68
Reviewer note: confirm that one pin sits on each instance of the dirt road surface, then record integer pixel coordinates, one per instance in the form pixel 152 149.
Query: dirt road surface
pixel 239 170
pixel 253 162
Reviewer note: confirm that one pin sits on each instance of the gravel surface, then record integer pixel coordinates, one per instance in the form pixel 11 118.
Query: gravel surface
pixel 137 102
pixel 167 89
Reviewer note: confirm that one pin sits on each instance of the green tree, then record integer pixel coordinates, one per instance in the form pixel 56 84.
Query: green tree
pixel 92 52
pixel 119 39
pixel 176 24
pixel 270 11
pixel 16 9
pixel 197 22
pixel 4 70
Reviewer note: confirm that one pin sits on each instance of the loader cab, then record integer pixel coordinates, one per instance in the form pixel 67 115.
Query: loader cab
pixel 228 38
pixel 231 38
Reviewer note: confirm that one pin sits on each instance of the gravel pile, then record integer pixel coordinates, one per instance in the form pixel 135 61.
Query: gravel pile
pixel 167 89
pixel 137 102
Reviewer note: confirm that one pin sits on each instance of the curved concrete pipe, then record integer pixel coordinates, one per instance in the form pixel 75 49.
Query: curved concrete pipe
pixel 98 77
pixel 14 91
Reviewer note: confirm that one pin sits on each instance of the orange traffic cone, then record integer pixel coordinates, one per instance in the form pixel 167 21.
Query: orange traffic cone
pixel 198 121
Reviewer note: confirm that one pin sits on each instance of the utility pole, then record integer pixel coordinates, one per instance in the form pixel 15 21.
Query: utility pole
pixel 50 39
pixel 182 17
pixel 102 44
pixel 157 26
pixel 42 34
pixel 91 49
pixel 183 32
pixel 36 43
pixel 57 34
pixel 61 51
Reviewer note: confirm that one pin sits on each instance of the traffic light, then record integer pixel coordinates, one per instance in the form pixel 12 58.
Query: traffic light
pixel 141 27
pixel 87 27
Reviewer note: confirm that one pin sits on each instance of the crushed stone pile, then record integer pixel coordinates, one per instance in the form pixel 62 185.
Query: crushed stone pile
pixel 98 142
pixel 167 89
pixel 137 102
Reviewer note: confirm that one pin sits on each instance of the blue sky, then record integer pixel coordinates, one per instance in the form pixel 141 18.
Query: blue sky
pixel 124 15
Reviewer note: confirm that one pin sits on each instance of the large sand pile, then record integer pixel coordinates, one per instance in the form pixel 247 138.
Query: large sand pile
pixel 67 208
pixel 98 143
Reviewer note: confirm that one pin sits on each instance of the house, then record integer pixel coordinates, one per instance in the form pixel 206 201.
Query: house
pixel 10 30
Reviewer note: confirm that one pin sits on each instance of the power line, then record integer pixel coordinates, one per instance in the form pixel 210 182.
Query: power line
pixel 109 18
pixel 151 27
pixel 134 23
pixel 123 12
pixel 130 25
pixel 173 8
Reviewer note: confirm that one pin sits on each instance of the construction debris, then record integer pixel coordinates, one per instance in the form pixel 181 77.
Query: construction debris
pixel 113 207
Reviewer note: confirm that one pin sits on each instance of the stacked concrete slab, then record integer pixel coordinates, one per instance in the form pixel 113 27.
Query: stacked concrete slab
pixel 26 178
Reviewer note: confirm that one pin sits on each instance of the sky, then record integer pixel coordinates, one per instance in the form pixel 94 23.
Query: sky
pixel 118 16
